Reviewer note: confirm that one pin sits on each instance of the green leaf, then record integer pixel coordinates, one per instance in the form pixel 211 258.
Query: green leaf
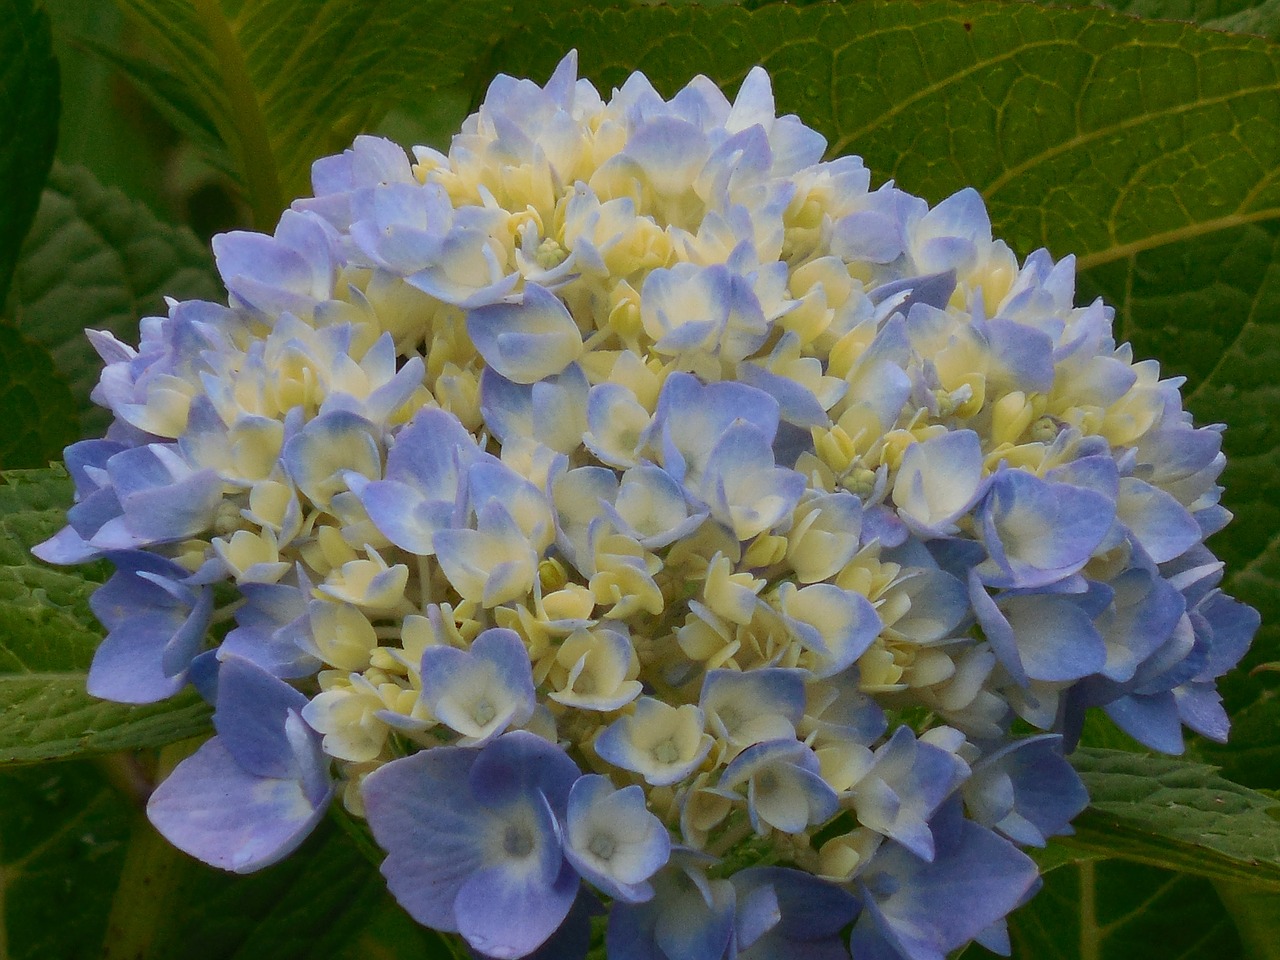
pixel 1123 911
pixel 63 833
pixel 1253 755
pixel 96 259
pixel 102 126
pixel 322 901
pixel 1257 917
pixel 36 405
pixel 1261 17
pixel 286 82
pixel 85 876
pixel 47 638
pixel 166 92
pixel 48 716
pixel 28 121
pixel 1176 814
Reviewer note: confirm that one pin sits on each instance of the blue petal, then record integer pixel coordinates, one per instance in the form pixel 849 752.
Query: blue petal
pixel 250 719
pixel 505 913
pixel 214 810
pixel 422 813
pixel 1162 526
pixel 127 664
pixel 926 909
pixel 1046 792
pixel 264 631
pixel 516 764
pixel 1039 532
pixel 527 341
pixel 1151 720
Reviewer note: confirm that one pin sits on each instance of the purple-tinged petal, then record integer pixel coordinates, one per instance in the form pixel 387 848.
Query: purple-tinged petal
pixel 527 341
pixel 467 272
pixel 808 916
pixel 405 517
pixel 784 789
pixel 691 417
pixel 511 909
pixel 938 605
pixel 572 938
pixel 938 481
pixel 662 743
pixel 423 815
pixel 265 631
pixel 612 840
pixel 1022 357
pixel 1055 638
pixel 250 717
pixel 1144 612
pixel 1200 708
pixel 519 763
pixel 902 296
pixel 482 691
pixel 1026 790
pixel 65 548
pixel 127 664
pixel 745 490
pixel 214 810
pixel 492 564
pixel 835 625
pixel 327 448
pixel 751 707
pixel 1151 720
pixel 1227 627
pixel 1039 532
pixel 155 627
pixel 907 782
pixel 689 917
pixel 162 499
pixel 1159 523
pixel 290 272
pixel 927 909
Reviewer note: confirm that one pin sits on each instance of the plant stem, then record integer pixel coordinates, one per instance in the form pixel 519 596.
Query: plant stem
pixel 152 868
pixel 249 140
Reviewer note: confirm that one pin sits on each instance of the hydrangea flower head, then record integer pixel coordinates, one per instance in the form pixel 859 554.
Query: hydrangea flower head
pixel 630 507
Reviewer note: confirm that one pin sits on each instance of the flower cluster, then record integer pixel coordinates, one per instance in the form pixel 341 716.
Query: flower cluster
pixel 631 512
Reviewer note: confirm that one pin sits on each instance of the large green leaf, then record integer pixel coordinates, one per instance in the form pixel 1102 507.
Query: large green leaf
pixel 28 121
pixel 325 900
pixel 1123 911
pixel 63 833
pixel 47 639
pixel 101 126
pixel 1257 917
pixel 285 82
pixel 96 259
pixel 36 406
pixel 1176 814
pixel 83 875
pixel 1241 16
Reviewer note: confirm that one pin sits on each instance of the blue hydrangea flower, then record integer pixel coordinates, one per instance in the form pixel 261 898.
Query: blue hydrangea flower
pixel 628 495
pixel 156 620
pixel 249 796
pixel 475 842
